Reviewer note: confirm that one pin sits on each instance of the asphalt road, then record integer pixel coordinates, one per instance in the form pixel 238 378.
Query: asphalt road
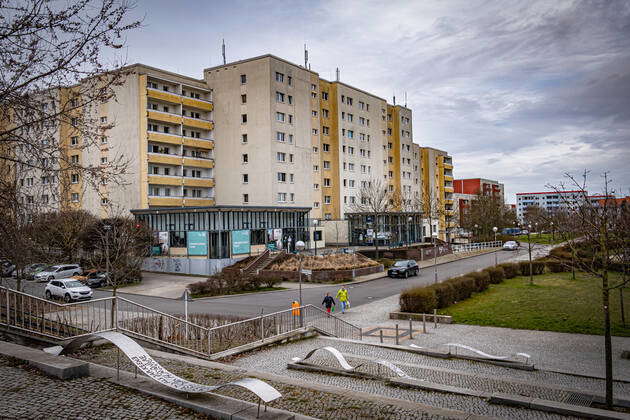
pixel 360 294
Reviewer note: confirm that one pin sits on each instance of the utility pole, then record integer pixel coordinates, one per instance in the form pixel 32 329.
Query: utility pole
pixel 529 245
pixel 223 50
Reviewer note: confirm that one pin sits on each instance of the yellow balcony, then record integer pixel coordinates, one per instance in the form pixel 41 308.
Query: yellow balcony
pixel 448 166
pixel 197 123
pixel 164 96
pixel 196 103
pixel 199 144
pixel 449 189
pixel 202 163
pixel 199 182
pixel 448 201
pixel 165 159
pixel 164 138
pixel 165 117
pixel 448 177
pixel 165 180
pixel 165 201
pixel 191 202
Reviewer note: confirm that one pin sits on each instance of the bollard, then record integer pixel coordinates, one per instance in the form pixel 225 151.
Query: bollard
pixel 381 334
pixel 424 323
pixel 410 330
pixel 435 318
pixel 396 334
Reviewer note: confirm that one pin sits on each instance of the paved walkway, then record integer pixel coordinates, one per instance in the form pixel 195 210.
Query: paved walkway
pixel 27 394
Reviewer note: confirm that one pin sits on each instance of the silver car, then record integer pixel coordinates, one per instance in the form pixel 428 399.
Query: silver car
pixel 60 271
pixel 510 246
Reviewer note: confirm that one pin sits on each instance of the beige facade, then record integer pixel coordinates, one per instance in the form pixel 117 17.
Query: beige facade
pixel 437 191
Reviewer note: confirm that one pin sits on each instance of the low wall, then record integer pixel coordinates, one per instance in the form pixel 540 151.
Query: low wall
pixel 177 265
pixel 321 276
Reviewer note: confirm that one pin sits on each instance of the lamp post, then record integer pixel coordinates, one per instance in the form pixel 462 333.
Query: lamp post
pixel 529 243
pixel 315 222
pixel 299 246
pixel 435 257
pixel 536 227
pixel 409 219
pixel 553 235
pixel 495 229
pixel 475 231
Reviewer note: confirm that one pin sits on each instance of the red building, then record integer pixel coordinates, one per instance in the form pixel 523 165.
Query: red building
pixel 466 190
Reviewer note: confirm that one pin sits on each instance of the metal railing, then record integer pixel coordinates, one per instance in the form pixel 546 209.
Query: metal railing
pixel 457 248
pixel 61 322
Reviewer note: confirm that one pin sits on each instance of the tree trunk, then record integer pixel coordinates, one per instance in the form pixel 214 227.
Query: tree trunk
pixel 376 234
pixel 607 341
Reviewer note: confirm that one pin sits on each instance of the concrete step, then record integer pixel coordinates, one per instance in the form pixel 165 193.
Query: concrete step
pixel 57 366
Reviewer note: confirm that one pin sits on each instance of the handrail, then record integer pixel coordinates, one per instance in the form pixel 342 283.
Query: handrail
pixel 55 303
pixel 255 260
pixel 162 313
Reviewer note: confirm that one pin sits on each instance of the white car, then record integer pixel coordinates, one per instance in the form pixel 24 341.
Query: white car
pixel 510 246
pixel 68 290
pixel 61 271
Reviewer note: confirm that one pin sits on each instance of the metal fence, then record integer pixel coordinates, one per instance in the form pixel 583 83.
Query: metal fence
pixel 457 248
pixel 64 321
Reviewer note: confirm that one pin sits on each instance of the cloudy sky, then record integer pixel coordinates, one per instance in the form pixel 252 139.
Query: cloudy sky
pixel 517 91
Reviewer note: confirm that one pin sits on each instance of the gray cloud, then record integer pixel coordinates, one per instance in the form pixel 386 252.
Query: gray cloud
pixel 517 91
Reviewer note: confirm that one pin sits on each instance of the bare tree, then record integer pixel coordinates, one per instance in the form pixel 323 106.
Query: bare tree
pixel 374 199
pixel 484 213
pixel 58 234
pixel 597 232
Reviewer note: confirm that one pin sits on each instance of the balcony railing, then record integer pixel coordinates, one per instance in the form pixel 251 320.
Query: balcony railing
pixel 178 94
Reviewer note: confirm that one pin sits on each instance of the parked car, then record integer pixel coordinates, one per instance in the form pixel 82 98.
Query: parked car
pixel 67 289
pixel 6 268
pixel 510 246
pixel 93 278
pixel 403 268
pixel 32 269
pixel 60 271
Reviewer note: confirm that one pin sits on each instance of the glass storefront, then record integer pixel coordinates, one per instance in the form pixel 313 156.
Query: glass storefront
pixel 391 229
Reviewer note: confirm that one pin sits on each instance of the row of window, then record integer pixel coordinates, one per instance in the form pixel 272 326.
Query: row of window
pixel 167 88
pixel 282 197
pixel 280 157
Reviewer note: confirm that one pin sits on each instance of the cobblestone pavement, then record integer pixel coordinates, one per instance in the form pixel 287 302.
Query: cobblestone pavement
pixel 25 393
pixel 275 359
pixel 296 399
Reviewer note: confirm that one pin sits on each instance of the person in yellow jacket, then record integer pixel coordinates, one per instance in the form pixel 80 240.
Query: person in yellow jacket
pixel 342 296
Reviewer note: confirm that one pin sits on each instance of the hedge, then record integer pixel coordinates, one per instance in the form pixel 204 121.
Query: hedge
pixel 510 270
pixel 538 267
pixel 418 299
pixel 482 280
pixel 497 274
pixel 557 266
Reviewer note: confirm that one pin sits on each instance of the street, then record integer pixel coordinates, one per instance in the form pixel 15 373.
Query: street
pixel 360 294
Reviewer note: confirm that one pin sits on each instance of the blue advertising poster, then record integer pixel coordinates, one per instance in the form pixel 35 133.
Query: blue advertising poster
pixel 197 242
pixel 240 242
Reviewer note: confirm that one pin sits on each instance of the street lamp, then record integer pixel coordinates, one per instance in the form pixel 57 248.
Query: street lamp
pixel 495 229
pixel 553 236
pixel 475 231
pixel 536 227
pixel 409 219
pixel 435 257
pixel 529 243
pixel 315 222
pixel 299 246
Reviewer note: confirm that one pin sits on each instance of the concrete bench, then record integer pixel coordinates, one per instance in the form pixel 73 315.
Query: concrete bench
pixel 58 366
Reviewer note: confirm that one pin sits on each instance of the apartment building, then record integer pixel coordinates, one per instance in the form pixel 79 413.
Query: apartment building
pixel 437 192
pixel 466 190
pixel 550 200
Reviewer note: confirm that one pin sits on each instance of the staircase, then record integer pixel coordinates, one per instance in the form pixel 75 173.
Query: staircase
pixel 259 263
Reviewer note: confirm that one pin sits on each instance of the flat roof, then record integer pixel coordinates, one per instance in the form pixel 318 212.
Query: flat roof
pixel 218 208
pixel 260 57
pixel 201 81
pixel 552 192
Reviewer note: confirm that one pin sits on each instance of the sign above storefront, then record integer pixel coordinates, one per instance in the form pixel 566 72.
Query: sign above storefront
pixel 197 242
pixel 240 242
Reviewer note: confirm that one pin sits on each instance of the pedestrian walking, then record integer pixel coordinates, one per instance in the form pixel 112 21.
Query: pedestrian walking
pixel 328 302
pixel 342 296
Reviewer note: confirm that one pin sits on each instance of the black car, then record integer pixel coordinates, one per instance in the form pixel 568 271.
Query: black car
pixel 403 268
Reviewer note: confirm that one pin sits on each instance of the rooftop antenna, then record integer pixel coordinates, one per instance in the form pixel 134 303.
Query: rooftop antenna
pixel 394 98
pixel 337 72
pixel 405 99
pixel 305 57
pixel 223 50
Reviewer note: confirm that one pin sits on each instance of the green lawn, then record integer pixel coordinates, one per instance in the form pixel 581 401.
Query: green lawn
pixel 554 303
pixel 541 238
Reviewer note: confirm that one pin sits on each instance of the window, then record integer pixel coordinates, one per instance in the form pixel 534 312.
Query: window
pixel 350 134
pixel 351 183
pixel 45 199
pixel 313 95
pixel 326 182
pixel 279 77
pixel 103 139
pixel 290 81
pixel 315 168
pixel 243 99
pixel 279 136
pixel 74 159
pixel 282 197
pixel 351 150
pixel 244 158
pixel 350 117
pixel 316 186
pixel 325 113
pixel 351 167
pixel 244 118
pixel 165 88
pixel 243 78
pixel 279 97
pixel 314 113
pixel 326 147
pixel 74 121
pixel 153 85
pixel 326 164
pixel 104 201
pixel 245 198
pixel 291 138
pixel 327 199
pixel 104 119
pixel 325 96
pixel 361 105
pixel 280 116
pixel 316 204
pixel 313 87
pixel 290 99
pixel 314 131
pixel 349 101
pixel 74 197
pixel 315 149
pixel 282 177
pixel 290 119
pixel 291 178
pixel 103 160
pixel 243 138
pixel 291 157
pixel 281 156
pixel 292 197
pixel 325 130
pixel 245 178
pixel 74 178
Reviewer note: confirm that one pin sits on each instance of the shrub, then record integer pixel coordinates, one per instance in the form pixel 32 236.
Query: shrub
pixel 482 280
pixel 388 255
pixel 556 266
pixel 418 300
pixel 386 262
pixel 270 282
pixel 538 267
pixel 445 293
pixel 496 274
pixel 464 287
pixel 510 270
